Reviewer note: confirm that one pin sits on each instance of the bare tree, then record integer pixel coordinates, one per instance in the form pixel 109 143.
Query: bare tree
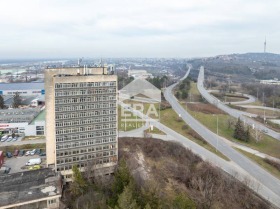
pixel 256 134
pixel 230 123
pixel 16 100
pixel 2 103
pixel 205 185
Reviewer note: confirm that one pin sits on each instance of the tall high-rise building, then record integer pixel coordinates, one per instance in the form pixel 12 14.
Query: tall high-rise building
pixel 81 120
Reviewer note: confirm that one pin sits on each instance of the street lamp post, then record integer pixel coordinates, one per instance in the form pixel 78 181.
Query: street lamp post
pixel 217 132
pixel 124 122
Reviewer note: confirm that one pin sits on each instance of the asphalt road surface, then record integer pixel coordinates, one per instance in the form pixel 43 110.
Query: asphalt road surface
pixel 260 107
pixel 250 99
pixel 255 171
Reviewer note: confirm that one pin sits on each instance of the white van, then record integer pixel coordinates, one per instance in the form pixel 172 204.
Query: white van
pixel 35 161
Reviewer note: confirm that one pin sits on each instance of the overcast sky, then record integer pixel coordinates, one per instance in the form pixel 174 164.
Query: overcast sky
pixel 137 28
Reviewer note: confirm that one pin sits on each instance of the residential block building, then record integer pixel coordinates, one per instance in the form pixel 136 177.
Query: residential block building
pixel 81 119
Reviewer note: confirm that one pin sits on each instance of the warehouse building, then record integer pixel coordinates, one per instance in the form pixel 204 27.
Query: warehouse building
pixel 24 89
pixel 28 122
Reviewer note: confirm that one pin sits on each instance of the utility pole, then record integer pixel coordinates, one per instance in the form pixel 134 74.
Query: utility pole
pixel 273 107
pixel 217 132
pixel 263 110
pixel 124 122
pixel 217 126
pixel 273 101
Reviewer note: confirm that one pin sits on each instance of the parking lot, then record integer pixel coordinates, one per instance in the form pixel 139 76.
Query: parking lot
pixel 11 141
pixel 21 142
pixel 16 163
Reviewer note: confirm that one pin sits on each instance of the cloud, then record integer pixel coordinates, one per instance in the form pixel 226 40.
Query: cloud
pixel 37 28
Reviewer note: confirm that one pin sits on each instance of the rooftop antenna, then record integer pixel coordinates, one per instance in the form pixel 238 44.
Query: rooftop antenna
pixel 80 61
pixel 264 47
pixel 101 62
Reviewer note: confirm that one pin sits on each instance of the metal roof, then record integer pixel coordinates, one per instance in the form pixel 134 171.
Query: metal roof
pixel 21 86
pixel 18 115
pixel 20 187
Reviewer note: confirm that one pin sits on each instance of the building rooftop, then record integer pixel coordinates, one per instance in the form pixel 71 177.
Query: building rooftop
pixel 18 115
pixel 30 185
pixel 80 71
pixel 25 100
pixel 40 117
pixel 21 86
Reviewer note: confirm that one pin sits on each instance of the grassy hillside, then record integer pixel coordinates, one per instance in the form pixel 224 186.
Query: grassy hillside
pixel 158 174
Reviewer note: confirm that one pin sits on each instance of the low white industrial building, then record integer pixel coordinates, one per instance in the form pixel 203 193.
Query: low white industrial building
pixel 24 89
pixel 139 74
pixel 270 82
pixel 29 122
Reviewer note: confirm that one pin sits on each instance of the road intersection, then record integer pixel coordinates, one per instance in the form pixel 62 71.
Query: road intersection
pixel 233 112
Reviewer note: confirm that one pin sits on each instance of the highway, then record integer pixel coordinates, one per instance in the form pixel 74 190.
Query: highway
pixel 260 107
pixel 233 112
pixel 255 171
pixel 250 99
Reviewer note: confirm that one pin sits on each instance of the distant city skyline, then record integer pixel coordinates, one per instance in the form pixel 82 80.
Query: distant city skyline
pixel 179 29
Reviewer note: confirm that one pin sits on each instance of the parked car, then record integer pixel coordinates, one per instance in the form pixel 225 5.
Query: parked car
pixel 38 152
pixel 27 153
pixel 10 138
pixel 43 154
pixel 34 167
pixel 15 138
pixel 264 130
pixel 16 153
pixel 21 153
pixel 4 138
pixel 4 170
pixel 9 154
pixel 33 152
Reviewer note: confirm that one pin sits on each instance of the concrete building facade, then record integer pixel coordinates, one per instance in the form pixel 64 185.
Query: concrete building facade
pixel 81 119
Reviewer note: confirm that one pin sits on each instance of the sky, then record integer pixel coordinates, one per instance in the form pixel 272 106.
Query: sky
pixel 137 28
